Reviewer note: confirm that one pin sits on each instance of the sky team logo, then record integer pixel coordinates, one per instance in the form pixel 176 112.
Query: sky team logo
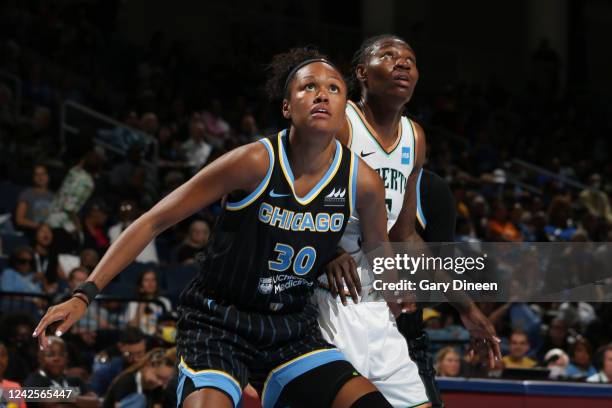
pixel 265 286
pixel 336 198
pixel 405 155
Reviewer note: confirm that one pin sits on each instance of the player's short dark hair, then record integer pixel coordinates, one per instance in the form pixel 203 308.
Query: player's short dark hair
pixel 364 50
pixel 131 335
pixel 282 65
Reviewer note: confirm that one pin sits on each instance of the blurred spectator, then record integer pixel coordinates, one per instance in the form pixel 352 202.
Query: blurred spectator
pixel 94 235
pixel 556 360
pixel 577 314
pixel 519 348
pixel 53 362
pixel 149 123
pixel 171 153
pixel 135 179
pixel 248 129
pixel 196 240
pixel 559 226
pixel 6 384
pixel 216 126
pixel 581 360
pixel 16 333
pixel 165 335
pixel 595 200
pixel 605 374
pixel 197 150
pixel 143 384
pixel 443 330
pixel 89 258
pixel 20 275
pixel 556 337
pixel 519 219
pixel 464 231
pixel 34 202
pixel 448 362
pixel 130 348
pixel 500 227
pixel 46 260
pixel 71 197
pixel 144 314
pixel 128 212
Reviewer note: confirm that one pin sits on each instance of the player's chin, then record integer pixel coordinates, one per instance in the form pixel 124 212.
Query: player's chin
pixel 402 92
pixel 324 125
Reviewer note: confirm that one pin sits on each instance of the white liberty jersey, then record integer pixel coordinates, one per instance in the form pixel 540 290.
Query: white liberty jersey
pixel 394 166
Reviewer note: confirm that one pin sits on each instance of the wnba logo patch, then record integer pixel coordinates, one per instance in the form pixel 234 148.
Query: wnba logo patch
pixel 265 285
pixel 405 155
pixel 336 198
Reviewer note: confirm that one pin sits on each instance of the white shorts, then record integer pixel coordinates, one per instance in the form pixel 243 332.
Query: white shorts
pixel 367 335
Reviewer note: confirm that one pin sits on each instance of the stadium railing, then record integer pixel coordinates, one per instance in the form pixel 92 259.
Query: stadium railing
pixel 108 312
pixel 108 133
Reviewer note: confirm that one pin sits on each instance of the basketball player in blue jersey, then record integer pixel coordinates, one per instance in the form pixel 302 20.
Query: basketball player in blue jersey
pixel 392 144
pixel 247 317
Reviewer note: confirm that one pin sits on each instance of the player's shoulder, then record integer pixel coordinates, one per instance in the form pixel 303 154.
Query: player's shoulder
pixel 418 129
pixel 368 179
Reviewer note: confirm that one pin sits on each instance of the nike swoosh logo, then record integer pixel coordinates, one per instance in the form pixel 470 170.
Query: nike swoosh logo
pixel 366 154
pixel 273 194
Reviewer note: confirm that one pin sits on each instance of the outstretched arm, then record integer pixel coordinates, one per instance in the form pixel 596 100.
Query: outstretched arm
pixel 240 169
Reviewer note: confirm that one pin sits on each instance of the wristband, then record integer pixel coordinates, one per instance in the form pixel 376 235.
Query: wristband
pixel 89 289
pixel 79 296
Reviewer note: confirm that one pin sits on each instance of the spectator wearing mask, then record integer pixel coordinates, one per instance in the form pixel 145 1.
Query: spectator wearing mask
pixel 197 238
pixel 130 348
pixel 144 314
pixel 6 384
pixel 519 348
pixel 128 212
pixel 34 202
pixel 448 362
pixel 581 360
pixel 143 383
pixel 605 374
pixel 77 187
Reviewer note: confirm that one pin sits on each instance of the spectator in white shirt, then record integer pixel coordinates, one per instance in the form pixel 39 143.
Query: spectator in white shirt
pixel 128 212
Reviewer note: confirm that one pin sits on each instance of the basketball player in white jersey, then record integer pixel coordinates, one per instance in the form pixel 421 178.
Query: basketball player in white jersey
pixel 393 145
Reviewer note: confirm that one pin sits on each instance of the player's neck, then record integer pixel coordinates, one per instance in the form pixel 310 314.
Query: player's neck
pixel 383 115
pixel 309 154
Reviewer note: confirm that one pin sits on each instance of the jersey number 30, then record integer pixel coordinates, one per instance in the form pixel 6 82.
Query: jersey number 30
pixel 302 264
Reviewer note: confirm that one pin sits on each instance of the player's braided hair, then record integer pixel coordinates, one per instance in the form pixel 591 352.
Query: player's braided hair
pixel 362 53
pixel 282 65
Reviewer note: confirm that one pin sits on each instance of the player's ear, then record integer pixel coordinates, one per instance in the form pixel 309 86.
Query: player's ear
pixel 286 109
pixel 361 73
